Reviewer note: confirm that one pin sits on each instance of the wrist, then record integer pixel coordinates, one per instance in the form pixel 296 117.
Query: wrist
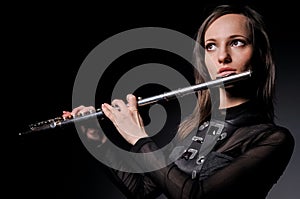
pixel 133 141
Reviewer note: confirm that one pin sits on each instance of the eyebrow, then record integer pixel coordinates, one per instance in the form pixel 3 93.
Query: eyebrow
pixel 231 37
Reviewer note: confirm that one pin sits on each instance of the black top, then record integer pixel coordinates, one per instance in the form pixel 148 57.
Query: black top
pixel 250 155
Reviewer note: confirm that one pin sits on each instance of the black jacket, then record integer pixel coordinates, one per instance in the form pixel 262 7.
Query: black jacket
pixel 245 163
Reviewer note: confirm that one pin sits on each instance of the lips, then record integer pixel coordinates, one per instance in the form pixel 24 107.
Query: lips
pixel 225 71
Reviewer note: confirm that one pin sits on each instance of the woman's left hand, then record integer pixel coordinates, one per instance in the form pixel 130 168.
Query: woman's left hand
pixel 126 118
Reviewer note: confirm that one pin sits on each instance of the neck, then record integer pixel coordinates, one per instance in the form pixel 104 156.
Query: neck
pixel 228 100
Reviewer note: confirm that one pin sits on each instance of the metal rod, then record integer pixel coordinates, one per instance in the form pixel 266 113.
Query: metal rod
pixel 59 121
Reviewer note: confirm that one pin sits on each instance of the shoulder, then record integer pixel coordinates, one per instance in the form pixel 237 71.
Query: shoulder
pixel 280 135
pixel 266 133
pixel 272 135
pixel 276 140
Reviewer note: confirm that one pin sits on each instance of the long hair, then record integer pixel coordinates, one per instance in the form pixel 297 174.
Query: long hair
pixel 262 66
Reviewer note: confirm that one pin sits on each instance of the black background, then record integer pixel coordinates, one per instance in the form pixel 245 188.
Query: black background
pixel 47 43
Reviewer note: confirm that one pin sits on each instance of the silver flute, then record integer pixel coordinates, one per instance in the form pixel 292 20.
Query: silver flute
pixel 61 121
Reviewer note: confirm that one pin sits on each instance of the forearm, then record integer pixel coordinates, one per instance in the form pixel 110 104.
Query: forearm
pixel 249 175
pixel 131 184
pixel 172 181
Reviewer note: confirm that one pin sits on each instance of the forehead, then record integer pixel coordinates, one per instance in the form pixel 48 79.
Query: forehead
pixel 226 25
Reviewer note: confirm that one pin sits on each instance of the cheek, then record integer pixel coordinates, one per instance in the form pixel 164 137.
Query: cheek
pixel 211 67
pixel 244 59
pixel 243 63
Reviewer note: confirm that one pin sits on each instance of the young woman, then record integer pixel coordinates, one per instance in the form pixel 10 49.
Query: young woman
pixel 251 152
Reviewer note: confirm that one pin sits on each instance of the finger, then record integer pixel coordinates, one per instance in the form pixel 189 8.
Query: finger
pixel 76 110
pixel 107 110
pixel 88 109
pixel 119 105
pixel 132 102
pixel 66 114
pixel 132 106
pixel 83 110
pixel 140 120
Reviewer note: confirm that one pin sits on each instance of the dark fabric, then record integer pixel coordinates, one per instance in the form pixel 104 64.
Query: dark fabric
pixel 236 117
pixel 245 164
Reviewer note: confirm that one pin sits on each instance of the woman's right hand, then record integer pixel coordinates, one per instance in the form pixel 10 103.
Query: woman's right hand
pixel 91 130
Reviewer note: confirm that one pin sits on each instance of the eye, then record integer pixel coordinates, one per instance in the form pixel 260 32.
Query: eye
pixel 238 43
pixel 210 46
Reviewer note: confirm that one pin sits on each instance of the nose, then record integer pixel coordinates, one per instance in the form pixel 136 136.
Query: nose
pixel 224 56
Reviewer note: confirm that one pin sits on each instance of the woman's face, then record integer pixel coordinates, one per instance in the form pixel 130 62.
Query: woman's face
pixel 228 46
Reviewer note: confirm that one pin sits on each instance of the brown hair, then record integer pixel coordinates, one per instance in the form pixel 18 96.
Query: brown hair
pixel 262 66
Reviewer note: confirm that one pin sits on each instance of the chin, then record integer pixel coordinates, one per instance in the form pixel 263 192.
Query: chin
pixel 243 89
